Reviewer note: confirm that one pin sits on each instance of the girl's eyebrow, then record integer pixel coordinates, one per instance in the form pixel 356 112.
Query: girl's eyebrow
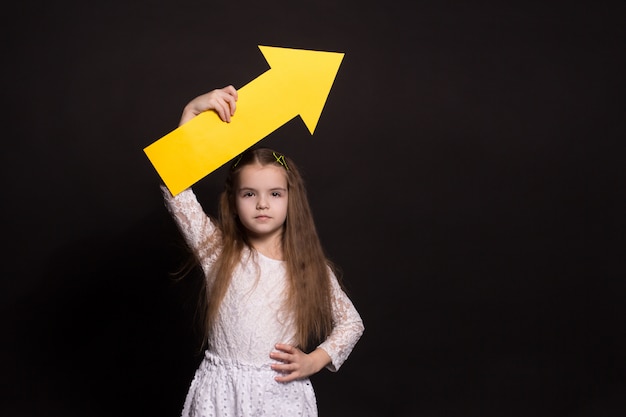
pixel 255 190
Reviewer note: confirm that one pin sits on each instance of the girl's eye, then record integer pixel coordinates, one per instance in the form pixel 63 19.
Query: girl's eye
pixel 276 194
pixel 248 194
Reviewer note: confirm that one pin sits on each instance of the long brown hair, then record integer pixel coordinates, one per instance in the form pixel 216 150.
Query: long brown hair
pixel 308 268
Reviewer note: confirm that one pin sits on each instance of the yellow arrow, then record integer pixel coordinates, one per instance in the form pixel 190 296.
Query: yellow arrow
pixel 297 83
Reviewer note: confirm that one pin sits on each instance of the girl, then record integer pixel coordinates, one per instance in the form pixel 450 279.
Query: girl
pixel 276 312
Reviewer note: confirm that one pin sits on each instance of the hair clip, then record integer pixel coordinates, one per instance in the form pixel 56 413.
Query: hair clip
pixel 237 161
pixel 281 160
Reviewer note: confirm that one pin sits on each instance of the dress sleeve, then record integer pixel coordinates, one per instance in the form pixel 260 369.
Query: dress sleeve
pixel 347 327
pixel 195 225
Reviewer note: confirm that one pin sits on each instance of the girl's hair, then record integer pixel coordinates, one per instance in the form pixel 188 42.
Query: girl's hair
pixel 308 269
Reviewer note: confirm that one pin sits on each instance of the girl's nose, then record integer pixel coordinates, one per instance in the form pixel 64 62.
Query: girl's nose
pixel 261 204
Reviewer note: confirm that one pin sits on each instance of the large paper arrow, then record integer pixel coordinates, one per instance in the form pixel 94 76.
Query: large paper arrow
pixel 297 83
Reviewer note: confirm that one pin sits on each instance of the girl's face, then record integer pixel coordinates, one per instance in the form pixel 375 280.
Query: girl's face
pixel 261 200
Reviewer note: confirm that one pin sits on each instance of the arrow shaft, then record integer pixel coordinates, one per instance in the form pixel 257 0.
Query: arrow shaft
pixel 175 155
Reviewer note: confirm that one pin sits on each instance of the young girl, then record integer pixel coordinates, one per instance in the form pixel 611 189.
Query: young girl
pixel 275 311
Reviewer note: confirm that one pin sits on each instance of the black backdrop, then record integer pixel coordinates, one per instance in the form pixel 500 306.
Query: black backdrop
pixel 466 173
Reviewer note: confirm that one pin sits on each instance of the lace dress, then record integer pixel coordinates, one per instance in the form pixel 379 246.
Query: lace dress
pixel 234 378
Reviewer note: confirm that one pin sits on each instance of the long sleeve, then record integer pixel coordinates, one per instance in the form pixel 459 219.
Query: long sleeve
pixel 347 330
pixel 195 225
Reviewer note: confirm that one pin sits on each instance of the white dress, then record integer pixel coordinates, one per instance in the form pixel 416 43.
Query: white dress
pixel 235 378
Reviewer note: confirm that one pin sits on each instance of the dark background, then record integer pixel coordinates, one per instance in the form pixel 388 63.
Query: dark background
pixel 467 173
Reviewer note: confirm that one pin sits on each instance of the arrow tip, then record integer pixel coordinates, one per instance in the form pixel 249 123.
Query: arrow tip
pixel 309 73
